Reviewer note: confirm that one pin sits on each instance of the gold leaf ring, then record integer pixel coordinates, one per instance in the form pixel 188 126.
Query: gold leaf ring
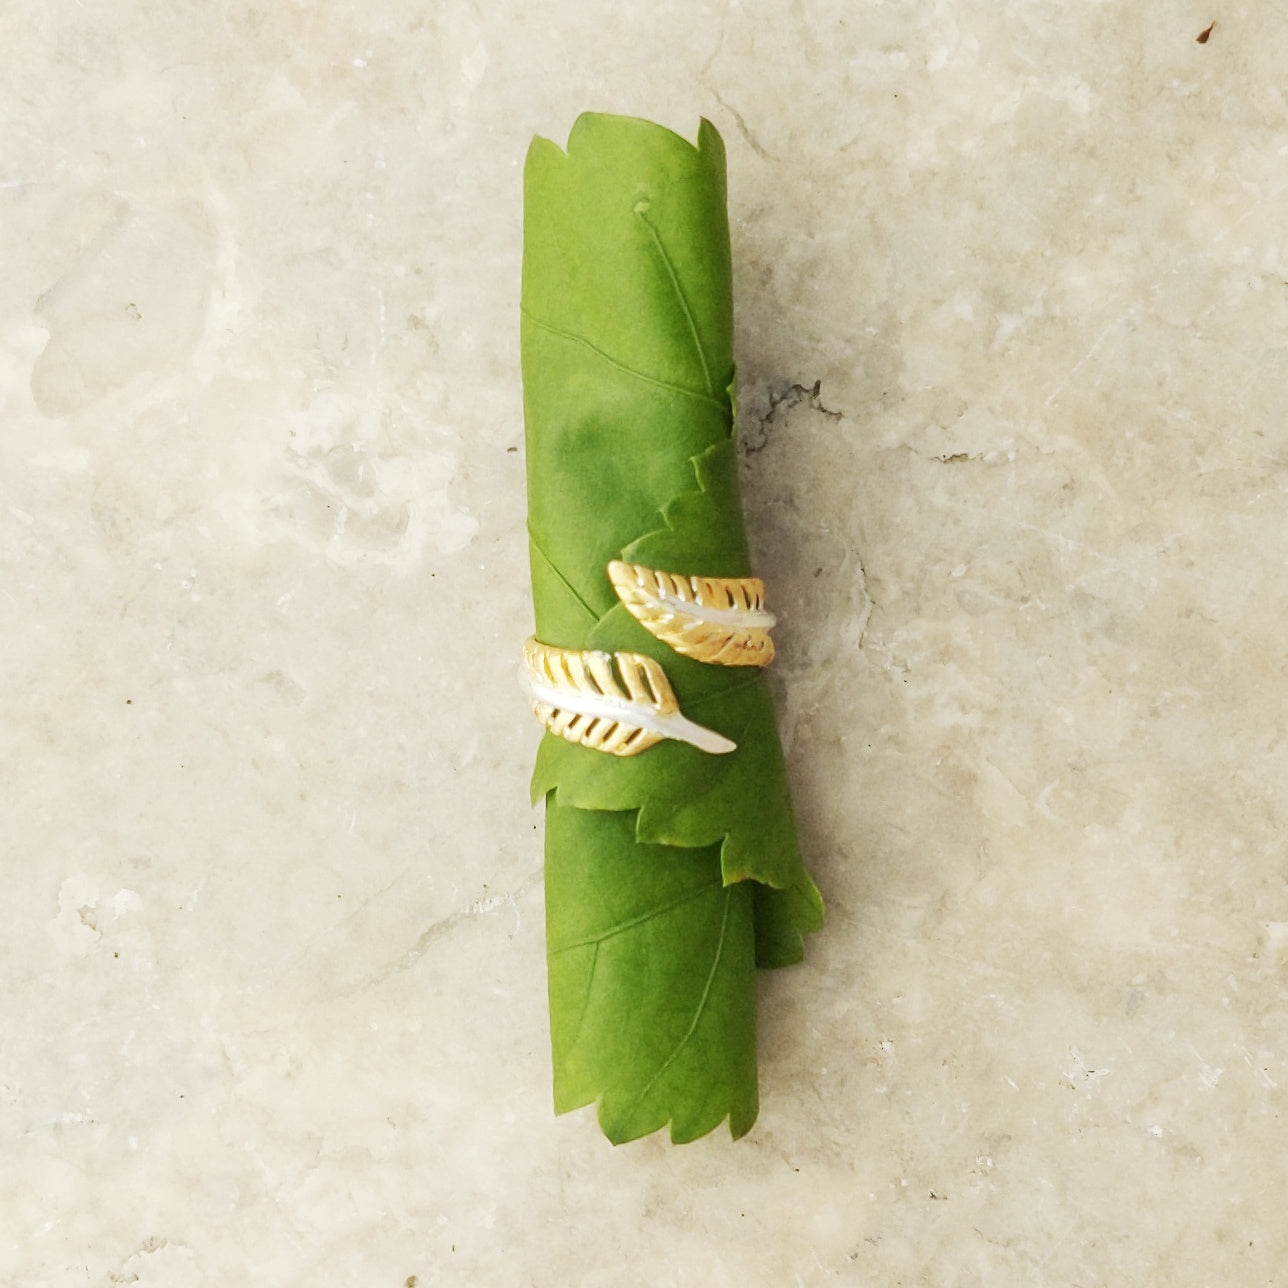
pixel 621 703
pixel 721 620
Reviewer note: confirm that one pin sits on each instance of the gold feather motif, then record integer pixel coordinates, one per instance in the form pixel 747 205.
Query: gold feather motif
pixel 721 620
pixel 621 703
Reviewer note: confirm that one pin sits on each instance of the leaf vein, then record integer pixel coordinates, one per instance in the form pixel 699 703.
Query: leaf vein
pixel 722 695
pixel 699 1009
pixel 558 572
pixel 571 336
pixel 683 302
pixel 631 922
pixel 585 996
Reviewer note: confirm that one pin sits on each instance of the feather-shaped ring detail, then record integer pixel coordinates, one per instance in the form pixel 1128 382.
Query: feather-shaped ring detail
pixel 721 620
pixel 621 703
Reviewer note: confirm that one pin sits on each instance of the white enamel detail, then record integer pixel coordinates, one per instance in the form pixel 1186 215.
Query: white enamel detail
pixel 564 685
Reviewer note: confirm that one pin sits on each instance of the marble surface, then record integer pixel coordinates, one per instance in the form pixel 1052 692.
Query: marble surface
pixel 272 952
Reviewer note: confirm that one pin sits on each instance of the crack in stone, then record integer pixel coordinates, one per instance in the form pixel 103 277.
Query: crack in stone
pixel 786 399
pixel 437 931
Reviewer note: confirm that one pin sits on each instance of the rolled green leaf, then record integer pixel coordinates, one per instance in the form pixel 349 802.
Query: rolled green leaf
pixel 670 875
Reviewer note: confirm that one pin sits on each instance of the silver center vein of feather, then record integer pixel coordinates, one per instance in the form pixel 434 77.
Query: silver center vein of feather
pixel 745 617
pixel 672 725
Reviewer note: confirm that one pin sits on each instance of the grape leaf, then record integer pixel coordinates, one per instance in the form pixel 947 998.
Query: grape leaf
pixel 672 874
pixel 651 980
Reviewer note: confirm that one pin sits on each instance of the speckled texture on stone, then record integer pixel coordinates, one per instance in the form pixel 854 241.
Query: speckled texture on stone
pixel 272 951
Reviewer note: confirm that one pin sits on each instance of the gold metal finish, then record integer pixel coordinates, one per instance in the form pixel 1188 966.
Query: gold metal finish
pixel 621 703
pixel 721 620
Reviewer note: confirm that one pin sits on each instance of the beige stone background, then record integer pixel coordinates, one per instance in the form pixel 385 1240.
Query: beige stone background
pixel 271 942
